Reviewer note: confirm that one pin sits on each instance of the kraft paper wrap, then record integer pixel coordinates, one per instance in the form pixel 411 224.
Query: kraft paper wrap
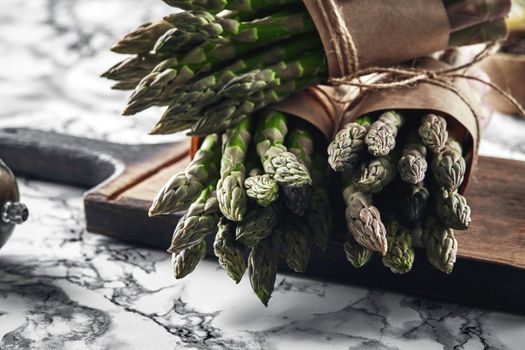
pixel 312 106
pixel 508 72
pixel 384 32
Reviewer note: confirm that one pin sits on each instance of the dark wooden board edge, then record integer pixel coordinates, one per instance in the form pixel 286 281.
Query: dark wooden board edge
pixel 473 283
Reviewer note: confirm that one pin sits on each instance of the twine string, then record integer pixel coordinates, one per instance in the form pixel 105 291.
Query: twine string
pixel 342 44
pixel 406 76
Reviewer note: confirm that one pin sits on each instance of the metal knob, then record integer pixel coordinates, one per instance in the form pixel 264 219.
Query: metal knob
pixel 14 213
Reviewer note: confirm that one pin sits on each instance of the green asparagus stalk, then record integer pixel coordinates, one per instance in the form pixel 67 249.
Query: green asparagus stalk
pixel 256 226
pixel 142 39
pixel 319 212
pixel 226 116
pixel 208 55
pixel 262 188
pixel 345 151
pixel 294 246
pixel 412 166
pixel 229 252
pixel 376 174
pixel 262 264
pixel 183 188
pixel 356 254
pixel 133 68
pixel 186 261
pixel 453 210
pixel 362 218
pixel 301 144
pixel 284 167
pixel 310 64
pixel 449 166
pixel 228 113
pixel 414 202
pixel 230 188
pixel 381 137
pixel 400 255
pixel 242 97
pixel 440 244
pixel 433 132
pixel 124 85
pixel 200 220
pixel 192 97
pixel 190 28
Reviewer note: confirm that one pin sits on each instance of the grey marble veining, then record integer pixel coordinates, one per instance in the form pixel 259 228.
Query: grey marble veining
pixel 64 288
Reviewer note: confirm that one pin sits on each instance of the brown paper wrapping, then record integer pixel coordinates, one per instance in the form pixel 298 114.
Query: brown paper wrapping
pixel 424 96
pixel 385 32
pixel 508 72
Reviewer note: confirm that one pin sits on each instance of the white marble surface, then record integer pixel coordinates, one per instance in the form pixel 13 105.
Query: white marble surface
pixel 64 288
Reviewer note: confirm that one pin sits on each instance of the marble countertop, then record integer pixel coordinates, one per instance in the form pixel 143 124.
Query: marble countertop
pixel 64 288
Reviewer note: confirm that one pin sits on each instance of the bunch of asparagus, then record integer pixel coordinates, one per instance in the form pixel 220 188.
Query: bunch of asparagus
pixel 212 68
pixel 259 189
pixel 400 178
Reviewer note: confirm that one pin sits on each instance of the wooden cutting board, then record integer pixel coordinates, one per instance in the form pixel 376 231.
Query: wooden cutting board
pixel 123 179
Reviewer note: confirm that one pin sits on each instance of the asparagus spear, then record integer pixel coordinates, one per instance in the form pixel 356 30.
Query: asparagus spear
pixel 319 213
pixel 262 264
pixel 414 202
pixel 381 137
pixel 440 244
pixel 142 39
pixel 186 261
pixel 362 218
pixel 183 188
pixel 284 167
pixel 356 254
pixel 133 68
pixel 256 226
pixel 344 152
pixel 262 188
pixel 193 97
pixel 229 114
pixel 433 132
pixel 400 255
pixel 125 84
pixel 242 96
pixel 191 28
pixel 229 252
pixel 448 167
pixel 310 64
pixel 412 166
pixel 300 143
pixel 200 220
pixel 453 210
pixel 376 174
pixel 294 246
pixel 208 55
pixel 230 188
